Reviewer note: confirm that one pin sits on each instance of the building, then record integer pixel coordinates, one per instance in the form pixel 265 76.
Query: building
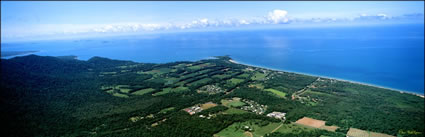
pixel 193 110
pixel 277 115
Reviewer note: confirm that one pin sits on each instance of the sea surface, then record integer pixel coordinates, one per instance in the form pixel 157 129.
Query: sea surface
pixel 387 55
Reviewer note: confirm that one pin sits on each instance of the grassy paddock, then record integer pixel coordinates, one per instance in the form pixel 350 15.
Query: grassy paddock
pixel 236 81
pixel 234 111
pixel 143 91
pixel 232 103
pixel 276 92
pixel 120 95
pixel 237 129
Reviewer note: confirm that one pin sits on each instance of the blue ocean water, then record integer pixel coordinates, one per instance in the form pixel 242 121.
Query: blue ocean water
pixel 387 55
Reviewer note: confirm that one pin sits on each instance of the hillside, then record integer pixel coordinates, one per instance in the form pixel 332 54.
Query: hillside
pixel 63 96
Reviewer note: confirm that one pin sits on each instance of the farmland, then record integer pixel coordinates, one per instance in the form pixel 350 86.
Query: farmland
pixel 256 128
pixel 353 132
pixel 277 92
pixel 143 91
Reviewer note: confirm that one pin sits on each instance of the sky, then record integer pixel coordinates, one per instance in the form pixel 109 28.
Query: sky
pixel 30 20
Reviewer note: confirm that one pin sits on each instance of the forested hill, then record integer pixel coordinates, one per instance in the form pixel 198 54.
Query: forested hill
pixel 39 92
pixel 63 96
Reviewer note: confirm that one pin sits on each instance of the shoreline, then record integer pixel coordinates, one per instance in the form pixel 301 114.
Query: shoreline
pixel 18 54
pixel 339 79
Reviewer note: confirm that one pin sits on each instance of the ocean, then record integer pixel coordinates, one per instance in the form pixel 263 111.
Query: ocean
pixel 390 56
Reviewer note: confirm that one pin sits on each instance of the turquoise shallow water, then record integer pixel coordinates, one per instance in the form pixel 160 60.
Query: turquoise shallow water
pixel 390 56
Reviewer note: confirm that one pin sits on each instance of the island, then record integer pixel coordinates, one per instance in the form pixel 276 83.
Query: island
pixel 57 96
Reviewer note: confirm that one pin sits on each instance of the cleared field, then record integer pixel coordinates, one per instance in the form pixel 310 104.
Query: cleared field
pixel 208 105
pixel 110 91
pixel 244 75
pixel 236 81
pixel 122 86
pixel 143 91
pixel 169 90
pixel 266 129
pixel 201 81
pixel 181 83
pixel 195 67
pixel 258 76
pixel 159 71
pixel 232 103
pixel 234 111
pixel 125 90
pixel 165 110
pixel 277 92
pixel 205 65
pixel 180 89
pixel 188 75
pixel 374 134
pixel 221 76
pixel 292 128
pixel 237 129
pixel 181 65
pixel 308 91
pixel 164 91
pixel 204 71
pixel 354 132
pixel 230 131
pixel 106 73
pixel 329 128
pixel 310 122
pixel 157 80
pixel 120 95
pixel 259 86
pixel 170 80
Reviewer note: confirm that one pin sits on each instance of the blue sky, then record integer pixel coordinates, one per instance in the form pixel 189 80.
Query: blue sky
pixel 26 20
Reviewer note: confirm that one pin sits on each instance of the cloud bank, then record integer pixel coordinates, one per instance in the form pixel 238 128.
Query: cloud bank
pixel 274 17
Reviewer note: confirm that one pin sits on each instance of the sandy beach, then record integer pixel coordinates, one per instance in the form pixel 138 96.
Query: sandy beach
pixel 355 82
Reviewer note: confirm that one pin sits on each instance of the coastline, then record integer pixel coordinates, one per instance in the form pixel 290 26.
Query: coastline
pixel 339 79
pixel 17 54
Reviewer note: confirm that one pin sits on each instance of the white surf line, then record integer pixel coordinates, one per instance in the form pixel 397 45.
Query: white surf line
pixel 339 79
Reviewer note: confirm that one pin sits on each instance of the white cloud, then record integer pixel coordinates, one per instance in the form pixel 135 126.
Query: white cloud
pixel 204 21
pixel 383 16
pixel 380 16
pixel 243 22
pixel 278 16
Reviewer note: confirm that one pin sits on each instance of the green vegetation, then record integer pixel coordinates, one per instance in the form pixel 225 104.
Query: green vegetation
pixel 143 91
pixel 236 104
pixel 221 76
pixel 236 81
pixel 245 75
pixel 120 95
pixel 165 110
pixel 277 92
pixel 234 111
pixel 255 127
pixel 258 76
pixel 49 96
pixel 169 90
pixel 194 67
pixel 202 81
pixel 232 103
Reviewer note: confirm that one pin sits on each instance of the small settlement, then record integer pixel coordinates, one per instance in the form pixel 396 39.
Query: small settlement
pixel 194 109
pixel 277 115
